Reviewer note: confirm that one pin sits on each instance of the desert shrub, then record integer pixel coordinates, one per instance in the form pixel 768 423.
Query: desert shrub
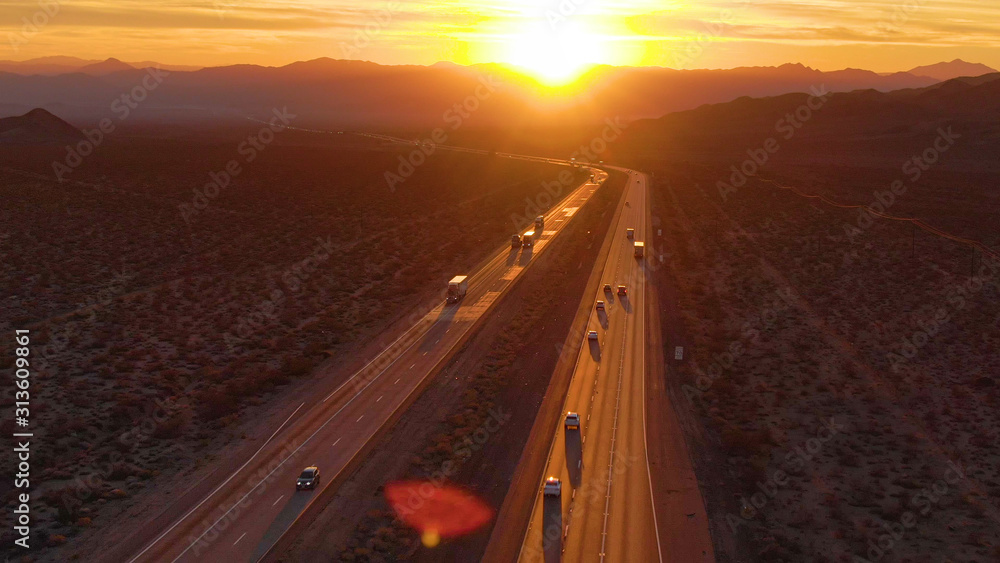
pixel 214 404
pixel 296 365
pixel 173 427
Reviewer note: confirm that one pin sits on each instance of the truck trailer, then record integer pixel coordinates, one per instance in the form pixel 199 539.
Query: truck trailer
pixel 457 288
pixel 528 239
pixel 515 241
pixel 540 223
pixel 639 249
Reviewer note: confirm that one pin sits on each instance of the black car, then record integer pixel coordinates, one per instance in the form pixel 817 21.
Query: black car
pixel 309 478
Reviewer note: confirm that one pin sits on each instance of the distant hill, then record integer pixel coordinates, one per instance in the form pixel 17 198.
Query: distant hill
pixel 862 124
pixel 37 127
pixel 105 67
pixel 358 94
pixel 51 66
pixel 954 69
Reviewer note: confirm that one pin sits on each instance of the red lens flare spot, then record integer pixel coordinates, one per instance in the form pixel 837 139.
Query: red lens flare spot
pixel 437 512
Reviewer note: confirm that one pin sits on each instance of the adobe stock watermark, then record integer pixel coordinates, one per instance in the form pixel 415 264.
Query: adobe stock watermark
pixel 913 168
pixel 256 485
pixel 901 13
pixel 255 320
pixel 694 49
pixel 122 107
pixel 463 450
pixel 793 461
pixel 59 341
pixel 724 361
pixel 455 117
pixel 955 300
pixel 560 11
pixel 786 127
pixel 922 502
pixel 551 193
pixel 389 352
pixel 250 148
pixel 613 129
pixel 32 25
pixel 592 490
pixel 363 35
pixel 88 481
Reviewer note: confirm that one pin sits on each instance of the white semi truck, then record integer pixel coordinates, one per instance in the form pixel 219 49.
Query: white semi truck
pixel 457 288
pixel 528 239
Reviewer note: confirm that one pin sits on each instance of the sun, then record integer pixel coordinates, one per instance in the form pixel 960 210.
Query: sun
pixel 555 56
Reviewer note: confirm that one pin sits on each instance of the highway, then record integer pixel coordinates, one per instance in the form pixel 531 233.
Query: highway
pixel 246 514
pixel 605 512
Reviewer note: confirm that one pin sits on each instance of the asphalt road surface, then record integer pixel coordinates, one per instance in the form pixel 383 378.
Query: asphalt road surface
pixel 253 507
pixel 605 511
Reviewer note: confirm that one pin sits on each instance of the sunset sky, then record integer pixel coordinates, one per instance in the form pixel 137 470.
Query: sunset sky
pixel 549 36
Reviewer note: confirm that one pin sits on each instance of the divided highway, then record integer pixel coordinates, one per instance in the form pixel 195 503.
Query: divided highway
pixel 605 511
pixel 255 505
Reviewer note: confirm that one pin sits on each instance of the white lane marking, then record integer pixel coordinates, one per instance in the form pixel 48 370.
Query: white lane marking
pixel 359 418
pixel 411 367
pixel 274 503
pixel 241 537
pixel 168 530
pixel 338 441
pixel 397 381
pixel 645 441
pixel 379 398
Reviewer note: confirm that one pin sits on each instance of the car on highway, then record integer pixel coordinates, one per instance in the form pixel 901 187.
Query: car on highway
pixel 607 288
pixel 553 487
pixel 309 478
pixel 622 291
pixel 572 421
pixel 592 335
pixel 600 305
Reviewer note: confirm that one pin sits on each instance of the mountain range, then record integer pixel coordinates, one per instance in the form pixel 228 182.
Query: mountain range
pixel 347 94
pixel 65 65
pixel 338 93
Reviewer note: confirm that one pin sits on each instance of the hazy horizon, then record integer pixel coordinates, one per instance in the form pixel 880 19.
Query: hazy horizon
pixel 555 40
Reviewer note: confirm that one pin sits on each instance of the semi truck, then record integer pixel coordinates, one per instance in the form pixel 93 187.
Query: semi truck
pixel 639 249
pixel 630 233
pixel 528 239
pixel 457 288
pixel 515 241
pixel 540 223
